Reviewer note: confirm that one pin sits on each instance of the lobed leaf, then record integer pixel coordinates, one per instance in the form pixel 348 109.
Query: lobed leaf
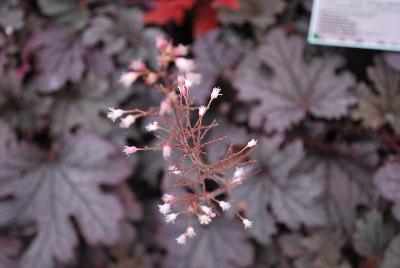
pixel 71 12
pixel 381 104
pixel 372 235
pixel 49 188
pixel 215 52
pixel 222 244
pixel 293 197
pixel 295 87
pixel 387 180
pixel 82 105
pixel 11 15
pixel 346 174
pixel 58 58
pixel 392 254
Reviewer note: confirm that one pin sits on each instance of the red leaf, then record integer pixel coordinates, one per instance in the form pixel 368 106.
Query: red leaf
pixel 205 17
pixel 232 4
pixel 168 10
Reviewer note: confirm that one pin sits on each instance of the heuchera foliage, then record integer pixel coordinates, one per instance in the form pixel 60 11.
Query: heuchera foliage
pixel 176 180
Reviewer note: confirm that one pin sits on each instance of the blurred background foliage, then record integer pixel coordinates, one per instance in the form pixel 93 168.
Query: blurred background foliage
pixel 327 190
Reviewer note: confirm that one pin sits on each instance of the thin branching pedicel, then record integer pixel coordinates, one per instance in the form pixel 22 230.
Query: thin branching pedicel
pixel 182 133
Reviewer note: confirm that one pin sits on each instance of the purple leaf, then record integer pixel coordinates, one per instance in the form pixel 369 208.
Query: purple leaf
pixel 222 244
pixel 71 12
pixel 58 58
pixel 215 52
pixel 21 107
pixel 392 254
pixel 82 104
pixel 102 31
pixel 295 87
pixel 381 104
pixel 293 197
pixel 99 64
pixel 11 15
pixel 141 41
pixel 372 235
pixel 8 248
pixel 321 252
pixel 346 174
pixel 50 187
pixel 387 180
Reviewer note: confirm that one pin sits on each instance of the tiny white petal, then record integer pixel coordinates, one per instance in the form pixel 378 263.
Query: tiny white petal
pixel 238 172
pixel 215 93
pixel 152 126
pixel 130 150
pixel 174 170
pixel 127 121
pixel 184 65
pixel 171 217
pixel 224 205
pixel 181 50
pixel 192 79
pixel 167 151
pixel 247 223
pixel 190 231
pixel 113 114
pixel 202 110
pixel 168 198
pixel 252 143
pixel 137 65
pixel 204 219
pixel 206 209
pixel 181 239
pixel 164 208
pixel 127 79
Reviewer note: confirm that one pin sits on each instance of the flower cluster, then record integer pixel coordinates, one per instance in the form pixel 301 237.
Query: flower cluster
pixel 182 132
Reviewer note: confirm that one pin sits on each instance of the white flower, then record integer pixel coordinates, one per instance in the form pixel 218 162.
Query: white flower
pixel 184 65
pixel 130 150
pixel 152 126
pixel 165 107
pixel 181 239
pixel 224 205
pixel 171 217
pixel 164 208
pixel 168 198
pixel 238 175
pixel 247 223
pixel 192 79
pixel 127 121
pixel 238 172
pixel 202 110
pixel 167 151
pixel 137 65
pixel 9 30
pixel 174 170
pixel 215 93
pixel 206 209
pixel 113 114
pixel 161 42
pixel 128 78
pixel 183 89
pixel 190 231
pixel 181 50
pixel 151 78
pixel 252 143
pixel 204 219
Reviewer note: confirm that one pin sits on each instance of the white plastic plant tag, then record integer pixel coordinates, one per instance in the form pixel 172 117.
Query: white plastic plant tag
pixel 372 24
